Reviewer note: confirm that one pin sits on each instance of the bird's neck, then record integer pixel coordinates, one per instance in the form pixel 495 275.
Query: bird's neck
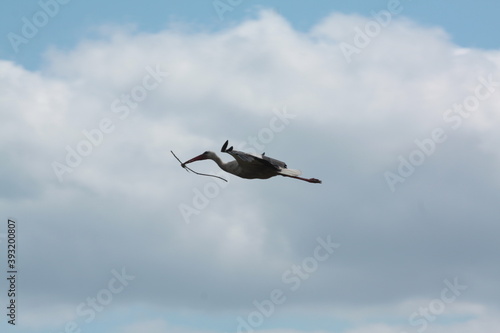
pixel 219 162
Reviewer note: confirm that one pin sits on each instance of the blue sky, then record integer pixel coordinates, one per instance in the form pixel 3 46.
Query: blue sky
pixel 470 23
pixel 402 128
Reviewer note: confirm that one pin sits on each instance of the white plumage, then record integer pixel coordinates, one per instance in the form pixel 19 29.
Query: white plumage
pixel 251 166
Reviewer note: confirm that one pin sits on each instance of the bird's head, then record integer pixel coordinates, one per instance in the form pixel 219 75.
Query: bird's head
pixel 205 156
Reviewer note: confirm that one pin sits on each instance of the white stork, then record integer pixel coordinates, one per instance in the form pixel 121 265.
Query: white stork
pixel 251 166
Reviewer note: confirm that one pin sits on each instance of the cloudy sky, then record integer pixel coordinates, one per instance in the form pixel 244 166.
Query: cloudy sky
pixel 392 104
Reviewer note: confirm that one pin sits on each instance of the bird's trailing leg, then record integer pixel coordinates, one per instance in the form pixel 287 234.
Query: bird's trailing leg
pixel 309 180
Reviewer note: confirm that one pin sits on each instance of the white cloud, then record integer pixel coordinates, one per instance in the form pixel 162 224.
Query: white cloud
pixel 120 205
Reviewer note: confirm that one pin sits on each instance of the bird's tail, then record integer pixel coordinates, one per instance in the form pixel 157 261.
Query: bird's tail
pixel 290 172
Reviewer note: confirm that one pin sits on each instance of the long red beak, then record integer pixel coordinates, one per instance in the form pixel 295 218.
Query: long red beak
pixel 194 159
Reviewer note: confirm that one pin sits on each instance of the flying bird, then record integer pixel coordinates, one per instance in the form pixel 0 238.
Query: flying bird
pixel 251 166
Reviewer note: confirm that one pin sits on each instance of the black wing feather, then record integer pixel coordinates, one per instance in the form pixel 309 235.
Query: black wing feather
pixel 223 149
pixel 244 157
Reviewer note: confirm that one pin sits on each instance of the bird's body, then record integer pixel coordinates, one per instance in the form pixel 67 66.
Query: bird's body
pixel 251 166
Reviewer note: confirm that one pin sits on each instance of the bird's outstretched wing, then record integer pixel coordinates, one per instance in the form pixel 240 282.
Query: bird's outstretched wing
pixel 238 155
pixel 246 158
